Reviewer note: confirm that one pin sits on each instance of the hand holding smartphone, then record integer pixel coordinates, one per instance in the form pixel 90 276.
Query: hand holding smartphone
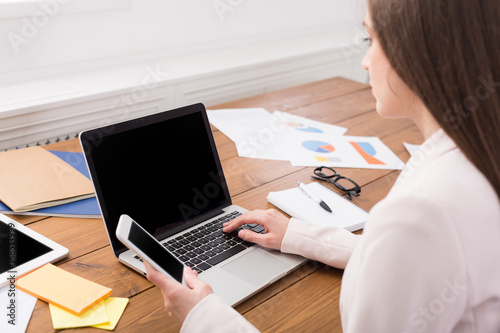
pixel 141 242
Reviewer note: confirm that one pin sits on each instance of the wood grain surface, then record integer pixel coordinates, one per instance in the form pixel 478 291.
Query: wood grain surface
pixel 305 300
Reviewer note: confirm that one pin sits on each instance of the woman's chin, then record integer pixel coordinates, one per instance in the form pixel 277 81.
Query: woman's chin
pixel 385 113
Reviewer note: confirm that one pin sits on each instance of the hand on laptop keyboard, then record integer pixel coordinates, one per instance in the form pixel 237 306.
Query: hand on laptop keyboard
pixel 271 221
pixel 208 245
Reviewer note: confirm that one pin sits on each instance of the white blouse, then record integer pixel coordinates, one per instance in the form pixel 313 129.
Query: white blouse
pixel 428 259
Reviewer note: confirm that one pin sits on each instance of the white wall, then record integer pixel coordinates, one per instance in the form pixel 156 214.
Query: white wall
pixel 48 36
pixel 59 53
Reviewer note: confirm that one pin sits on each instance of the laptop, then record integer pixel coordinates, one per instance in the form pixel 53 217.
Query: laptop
pixel 163 170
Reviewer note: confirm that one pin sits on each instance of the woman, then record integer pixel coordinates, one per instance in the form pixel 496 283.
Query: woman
pixel 429 256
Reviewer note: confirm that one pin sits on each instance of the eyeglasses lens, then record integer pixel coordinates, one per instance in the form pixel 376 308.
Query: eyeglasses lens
pixel 345 183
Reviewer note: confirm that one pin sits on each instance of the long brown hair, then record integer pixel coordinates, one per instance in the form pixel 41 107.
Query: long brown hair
pixel 448 53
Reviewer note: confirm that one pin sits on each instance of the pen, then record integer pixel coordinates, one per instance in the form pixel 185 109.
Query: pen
pixel 314 197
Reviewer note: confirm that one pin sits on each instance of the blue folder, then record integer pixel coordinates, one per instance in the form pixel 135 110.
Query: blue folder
pixel 86 208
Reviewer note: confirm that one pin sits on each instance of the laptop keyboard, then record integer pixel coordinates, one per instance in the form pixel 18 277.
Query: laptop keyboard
pixel 208 245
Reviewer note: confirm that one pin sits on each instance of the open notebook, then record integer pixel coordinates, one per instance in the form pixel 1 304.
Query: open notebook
pixel 294 202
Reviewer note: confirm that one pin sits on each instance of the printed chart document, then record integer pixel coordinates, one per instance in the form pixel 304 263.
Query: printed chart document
pixel 34 178
pixel 305 125
pixel 260 134
pixel 346 151
pixel 302 141
pixel 255 131
pixel 345 214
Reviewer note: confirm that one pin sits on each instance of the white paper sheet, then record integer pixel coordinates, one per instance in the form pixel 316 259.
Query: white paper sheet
pixel 302 141
pixel 308 126
pixel 411 148
pixel 17 307
pixel 255 131
pixel 347 152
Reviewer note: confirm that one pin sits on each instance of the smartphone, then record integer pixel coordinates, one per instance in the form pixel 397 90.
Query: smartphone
pixel 133 236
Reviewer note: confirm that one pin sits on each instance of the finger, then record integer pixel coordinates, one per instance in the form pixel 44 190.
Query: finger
pixel 246 218
pixel 158 278
pixel 260 217
pixel 191 278
pixel 151 272
pixel 149 268
pixel 250 236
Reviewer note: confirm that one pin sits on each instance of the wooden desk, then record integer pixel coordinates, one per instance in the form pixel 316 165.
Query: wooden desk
pixel 305 300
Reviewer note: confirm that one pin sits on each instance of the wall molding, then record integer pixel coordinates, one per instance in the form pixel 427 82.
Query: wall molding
pixel 45 111
pixel 37 11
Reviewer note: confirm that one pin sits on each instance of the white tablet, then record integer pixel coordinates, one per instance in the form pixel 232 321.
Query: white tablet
pixel 23 250
pixel 132 235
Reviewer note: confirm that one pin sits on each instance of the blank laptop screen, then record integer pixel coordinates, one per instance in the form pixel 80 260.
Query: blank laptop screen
pixel 162 170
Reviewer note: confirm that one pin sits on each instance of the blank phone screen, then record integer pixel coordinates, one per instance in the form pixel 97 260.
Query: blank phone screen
pixel 154 250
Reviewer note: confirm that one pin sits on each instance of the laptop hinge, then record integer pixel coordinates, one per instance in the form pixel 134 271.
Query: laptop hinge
pixel 206 216
pixel 190 223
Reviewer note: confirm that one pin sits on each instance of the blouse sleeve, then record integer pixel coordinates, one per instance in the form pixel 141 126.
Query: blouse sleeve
pixel 212 314
pixel 408 272
pixel 330 245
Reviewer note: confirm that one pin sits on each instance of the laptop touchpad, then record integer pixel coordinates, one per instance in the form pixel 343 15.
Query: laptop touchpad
pixel 257 267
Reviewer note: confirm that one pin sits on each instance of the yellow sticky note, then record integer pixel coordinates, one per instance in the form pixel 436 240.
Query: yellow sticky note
pixel 114 307
pixel 64 289
pixel 64 319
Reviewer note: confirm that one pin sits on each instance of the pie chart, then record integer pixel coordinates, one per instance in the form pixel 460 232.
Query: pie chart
pixel 318 146
pixel 309 129
pixel 302 127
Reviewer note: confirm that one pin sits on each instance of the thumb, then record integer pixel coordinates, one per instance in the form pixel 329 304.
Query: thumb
pixel 158 278
pixel 249 236
pixel 191 278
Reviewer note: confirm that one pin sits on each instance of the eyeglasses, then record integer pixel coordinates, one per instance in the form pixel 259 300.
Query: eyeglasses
pixel 331 176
